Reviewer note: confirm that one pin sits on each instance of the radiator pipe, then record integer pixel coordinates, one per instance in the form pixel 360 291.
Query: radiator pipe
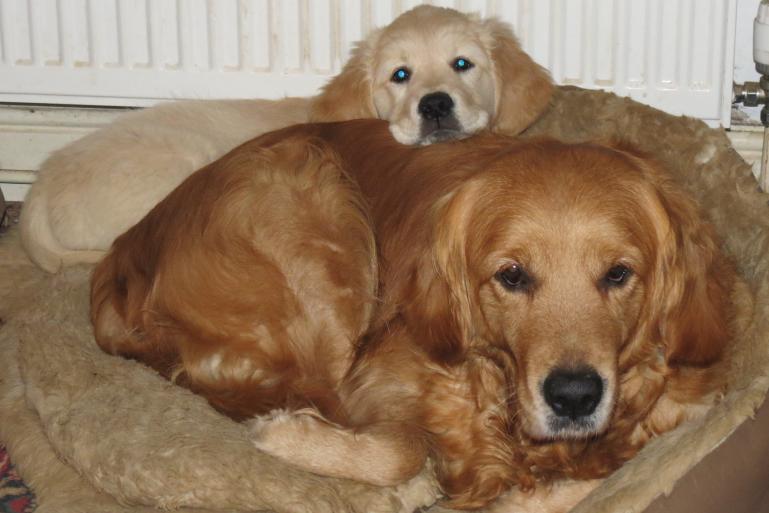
pixel 761 58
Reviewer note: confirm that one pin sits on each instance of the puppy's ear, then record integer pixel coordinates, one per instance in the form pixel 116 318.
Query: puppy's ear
pixel 349 95
pixel 523 88
pixel 443 295
pixel 692 282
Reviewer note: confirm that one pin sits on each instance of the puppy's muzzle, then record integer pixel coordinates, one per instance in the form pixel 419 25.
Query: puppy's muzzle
pixel 573 394
pixel 435 106
pixel 439 122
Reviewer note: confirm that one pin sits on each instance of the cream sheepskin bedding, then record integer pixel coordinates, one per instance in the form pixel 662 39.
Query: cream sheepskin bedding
pixel 91 432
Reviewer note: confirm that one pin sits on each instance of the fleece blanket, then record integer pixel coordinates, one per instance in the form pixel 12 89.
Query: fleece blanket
pixel 90 432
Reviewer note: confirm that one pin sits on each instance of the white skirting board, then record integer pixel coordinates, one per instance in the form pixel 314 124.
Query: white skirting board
pixel 748 141
pixel 29 134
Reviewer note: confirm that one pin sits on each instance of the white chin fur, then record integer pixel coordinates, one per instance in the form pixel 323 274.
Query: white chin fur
pixel 480 122
pixel 552 427
pixel 402 136
pixel 413 136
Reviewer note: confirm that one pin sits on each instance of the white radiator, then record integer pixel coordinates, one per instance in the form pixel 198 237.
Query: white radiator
pixel 674 54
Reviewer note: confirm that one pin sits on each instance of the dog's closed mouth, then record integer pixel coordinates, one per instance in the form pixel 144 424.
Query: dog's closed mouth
pixel 443 134
pixel 444 129
pixel 567 428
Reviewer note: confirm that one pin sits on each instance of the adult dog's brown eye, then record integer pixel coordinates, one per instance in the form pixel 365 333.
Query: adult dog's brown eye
pixel 617 276
pixel 400 75
pixel 513 278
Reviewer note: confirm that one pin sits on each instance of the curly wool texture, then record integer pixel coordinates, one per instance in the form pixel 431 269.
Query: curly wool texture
pixel 92 432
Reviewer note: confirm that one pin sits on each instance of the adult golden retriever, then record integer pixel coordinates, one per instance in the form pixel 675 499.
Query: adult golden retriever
pixel 434 73
pixel 544 308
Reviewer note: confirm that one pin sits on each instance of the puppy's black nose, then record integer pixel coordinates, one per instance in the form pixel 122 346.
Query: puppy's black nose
pixel 573 394
pixel 435 106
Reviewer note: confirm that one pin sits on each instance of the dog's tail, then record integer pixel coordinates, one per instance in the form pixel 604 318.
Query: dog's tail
pixel 41 244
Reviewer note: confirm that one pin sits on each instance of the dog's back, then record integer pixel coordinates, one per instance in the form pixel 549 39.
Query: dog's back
pixel 249 283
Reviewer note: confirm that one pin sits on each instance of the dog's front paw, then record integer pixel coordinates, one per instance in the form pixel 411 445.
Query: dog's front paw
pixel 381 456
pixel 260 426
pixel 283 433
pixel 270 432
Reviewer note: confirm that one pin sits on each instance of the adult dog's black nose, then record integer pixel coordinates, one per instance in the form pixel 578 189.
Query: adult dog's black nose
pixel 573 394
pixel 435 106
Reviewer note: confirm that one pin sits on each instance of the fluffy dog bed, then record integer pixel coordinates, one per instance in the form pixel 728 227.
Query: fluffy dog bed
pixel 90 432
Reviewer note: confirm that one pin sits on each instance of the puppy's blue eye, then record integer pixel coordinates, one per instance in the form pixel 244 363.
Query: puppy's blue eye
pixel 461 64
pixel 401 75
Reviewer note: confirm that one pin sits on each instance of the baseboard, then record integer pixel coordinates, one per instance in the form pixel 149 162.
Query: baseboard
pixel 748 141
pixel 28 134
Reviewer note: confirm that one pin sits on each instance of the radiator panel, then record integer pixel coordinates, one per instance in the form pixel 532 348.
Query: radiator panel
pixel 673 54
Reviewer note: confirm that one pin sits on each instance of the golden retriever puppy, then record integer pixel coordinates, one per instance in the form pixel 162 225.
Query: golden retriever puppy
pixel 434 74
pixel 545 308
pixel 94 189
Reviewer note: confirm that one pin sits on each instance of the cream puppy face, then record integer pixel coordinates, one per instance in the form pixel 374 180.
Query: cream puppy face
pixel 437 74
pixel 433 84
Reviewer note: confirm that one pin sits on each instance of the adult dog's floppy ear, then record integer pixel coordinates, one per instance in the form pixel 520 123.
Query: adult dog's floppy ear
pixel 692 283
pixel 523 88
pixel 443 300
pixel 349 95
